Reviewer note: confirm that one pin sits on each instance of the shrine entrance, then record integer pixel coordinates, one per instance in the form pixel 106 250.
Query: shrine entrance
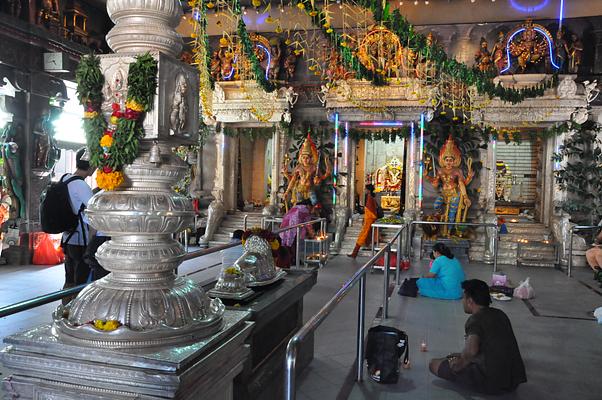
pixel 255 160
pixel 519 179
pixel 382 164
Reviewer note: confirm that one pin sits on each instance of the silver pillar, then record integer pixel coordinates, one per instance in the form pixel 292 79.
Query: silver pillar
pixel 216 210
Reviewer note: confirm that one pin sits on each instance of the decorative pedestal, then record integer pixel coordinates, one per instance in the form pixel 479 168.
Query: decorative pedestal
pixel 44 368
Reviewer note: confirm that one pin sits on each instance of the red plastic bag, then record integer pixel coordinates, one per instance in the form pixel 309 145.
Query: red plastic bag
pixel 392 261
pixel 46 254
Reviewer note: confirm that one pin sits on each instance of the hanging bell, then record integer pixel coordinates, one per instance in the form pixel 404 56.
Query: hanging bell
pixel 155 154
pixel 86 155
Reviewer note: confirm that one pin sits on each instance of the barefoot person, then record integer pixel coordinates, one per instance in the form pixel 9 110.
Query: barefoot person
pixel 370 215
pixel 445 276
pixel 491 361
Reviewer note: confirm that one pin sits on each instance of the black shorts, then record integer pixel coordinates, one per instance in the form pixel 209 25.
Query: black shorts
pixel 471 376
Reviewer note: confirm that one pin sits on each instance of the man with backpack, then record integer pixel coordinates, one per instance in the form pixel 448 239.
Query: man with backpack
pixel 62 210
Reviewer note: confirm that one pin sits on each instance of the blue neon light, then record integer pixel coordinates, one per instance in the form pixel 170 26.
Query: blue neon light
pixel 381 123
pixel 537 30
pixel 528 9
pixel 561 16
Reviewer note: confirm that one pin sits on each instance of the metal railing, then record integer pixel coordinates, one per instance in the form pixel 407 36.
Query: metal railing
pixel 477 224
pixel 298 227
pixel 314 322
pixel 60 294
pixel 574 228
pixel 400 227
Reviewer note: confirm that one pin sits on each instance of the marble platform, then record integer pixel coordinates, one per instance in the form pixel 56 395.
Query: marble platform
pixel 43 368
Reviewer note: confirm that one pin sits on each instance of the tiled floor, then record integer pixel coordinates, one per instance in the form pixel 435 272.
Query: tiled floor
pixel 562 347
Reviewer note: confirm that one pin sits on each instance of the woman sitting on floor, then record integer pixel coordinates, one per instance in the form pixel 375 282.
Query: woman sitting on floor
pixel 444 280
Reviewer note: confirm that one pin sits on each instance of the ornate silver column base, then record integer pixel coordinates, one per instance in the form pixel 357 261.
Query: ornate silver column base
pixel 342 215
pixel 491 233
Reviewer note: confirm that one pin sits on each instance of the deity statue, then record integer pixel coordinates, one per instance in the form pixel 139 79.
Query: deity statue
pixel 179 106
pixel 226 58
pixel 306 174
pixel 290 63
pixel 388 177
pixel 483 57
pixel 215 65
pixel 499 52
pixel 503 181
pixel 453 202
pixel 528 49
pixel 575 52
pixel 12 158
pixel 275 54
pixel 48 12
pixel 561 50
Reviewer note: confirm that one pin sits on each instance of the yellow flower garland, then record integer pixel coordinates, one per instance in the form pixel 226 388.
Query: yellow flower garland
pixel 106 141
pixel 109 325
pixel 109 180
pixel 134 105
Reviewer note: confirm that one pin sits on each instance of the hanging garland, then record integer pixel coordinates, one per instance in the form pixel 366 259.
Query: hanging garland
pixel 201 54
pixel 115 144
pixel 249 52
pixel 435 53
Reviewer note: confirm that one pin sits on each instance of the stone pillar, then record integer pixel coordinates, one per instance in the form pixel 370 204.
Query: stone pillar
pixel 488 186
pixel 345 196
pixel 598 52
pixel 216 210
pixel 231 172
pixel 278 139
pixel 411 206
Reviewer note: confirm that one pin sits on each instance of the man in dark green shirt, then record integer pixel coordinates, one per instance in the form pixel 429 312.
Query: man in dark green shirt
pixel 491 361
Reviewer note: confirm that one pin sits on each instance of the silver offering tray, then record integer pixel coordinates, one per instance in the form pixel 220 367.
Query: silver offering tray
pixel 247 293
pixel 279 275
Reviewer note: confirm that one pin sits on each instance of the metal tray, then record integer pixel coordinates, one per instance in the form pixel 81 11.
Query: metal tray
pixel 231 296
pixel 279 275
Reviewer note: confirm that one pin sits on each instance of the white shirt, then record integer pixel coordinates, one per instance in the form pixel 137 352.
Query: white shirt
pixel 79 193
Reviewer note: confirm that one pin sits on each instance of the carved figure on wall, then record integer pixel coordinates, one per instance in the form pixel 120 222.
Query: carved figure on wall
pixel 483 57
pixel 215 65
pixel 499 52
pixel 529 49
pixel 114 90
pixel 561 50
pixel 46 153
pixel 453 202
pixel 275 54
pixel 576 52
pixel 179 106
pixel 12 160
pixel 290 63
pixel 503 181
pixel 14 8
pixel 306 174
pixel 48 13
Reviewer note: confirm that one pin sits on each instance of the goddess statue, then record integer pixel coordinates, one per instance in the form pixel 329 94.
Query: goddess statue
pixel 483 57
pixel 306 175
pixel 528 49
pixel 499 52
pixel 453 202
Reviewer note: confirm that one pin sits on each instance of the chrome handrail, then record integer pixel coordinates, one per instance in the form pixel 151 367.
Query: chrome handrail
pixel 244 222
pixel 477 224
pixel 60 294
pixel 574 228
pixel 298 227
pixel 315 321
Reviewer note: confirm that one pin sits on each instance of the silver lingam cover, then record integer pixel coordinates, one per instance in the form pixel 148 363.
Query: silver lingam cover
pixel 257 262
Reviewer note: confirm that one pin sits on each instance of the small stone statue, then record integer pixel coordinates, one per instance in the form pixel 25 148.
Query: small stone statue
pixel 179 108
pixel 499 53
pixel 275 54
pixel 215 65
pixel 561 50
pixel 575 53
pixel 483 57
pixel 48 11
pixel 290 63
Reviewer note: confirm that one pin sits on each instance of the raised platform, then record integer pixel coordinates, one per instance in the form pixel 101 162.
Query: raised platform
pixel 458 247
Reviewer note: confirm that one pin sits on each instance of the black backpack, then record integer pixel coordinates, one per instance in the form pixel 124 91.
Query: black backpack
pixel 385 347
pixel 56 214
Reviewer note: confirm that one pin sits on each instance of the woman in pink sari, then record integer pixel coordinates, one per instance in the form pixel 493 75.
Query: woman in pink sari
pixel 301 212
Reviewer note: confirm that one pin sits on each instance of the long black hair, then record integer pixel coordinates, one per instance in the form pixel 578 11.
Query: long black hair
pixel 370 188
pixel 443 249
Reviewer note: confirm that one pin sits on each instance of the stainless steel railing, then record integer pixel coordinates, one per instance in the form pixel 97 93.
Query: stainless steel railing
pixel 298 227
pixel 569 269
pixel 314 322
pixel 60 294
pixel 477 224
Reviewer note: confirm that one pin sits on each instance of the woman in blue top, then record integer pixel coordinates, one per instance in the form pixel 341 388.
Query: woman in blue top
pixel 445 277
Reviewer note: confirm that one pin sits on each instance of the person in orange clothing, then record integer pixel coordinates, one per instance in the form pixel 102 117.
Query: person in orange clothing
pixel 370 215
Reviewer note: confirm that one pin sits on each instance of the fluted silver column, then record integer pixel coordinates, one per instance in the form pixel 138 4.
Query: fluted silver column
pixel 153 306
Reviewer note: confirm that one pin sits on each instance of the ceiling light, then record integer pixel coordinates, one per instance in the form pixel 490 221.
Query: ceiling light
pixel 472 1
pixel 401 3
pixel 415 2
pixel 426 2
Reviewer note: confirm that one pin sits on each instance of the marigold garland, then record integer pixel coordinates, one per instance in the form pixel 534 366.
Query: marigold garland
pixel 115 144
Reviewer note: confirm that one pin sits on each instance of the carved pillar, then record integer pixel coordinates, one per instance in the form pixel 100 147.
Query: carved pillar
pixel 489 201
pixel 231 172
pixel 345 196
pixel 216 210
pixel 277 155
pixel 411 206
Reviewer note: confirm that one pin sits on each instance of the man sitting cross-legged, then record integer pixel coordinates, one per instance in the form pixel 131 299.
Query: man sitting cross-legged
pixel 491 361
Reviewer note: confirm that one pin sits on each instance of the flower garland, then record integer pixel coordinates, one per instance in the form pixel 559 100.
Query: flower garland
pixel 483 81
pixel 115 144
pixel 202 54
